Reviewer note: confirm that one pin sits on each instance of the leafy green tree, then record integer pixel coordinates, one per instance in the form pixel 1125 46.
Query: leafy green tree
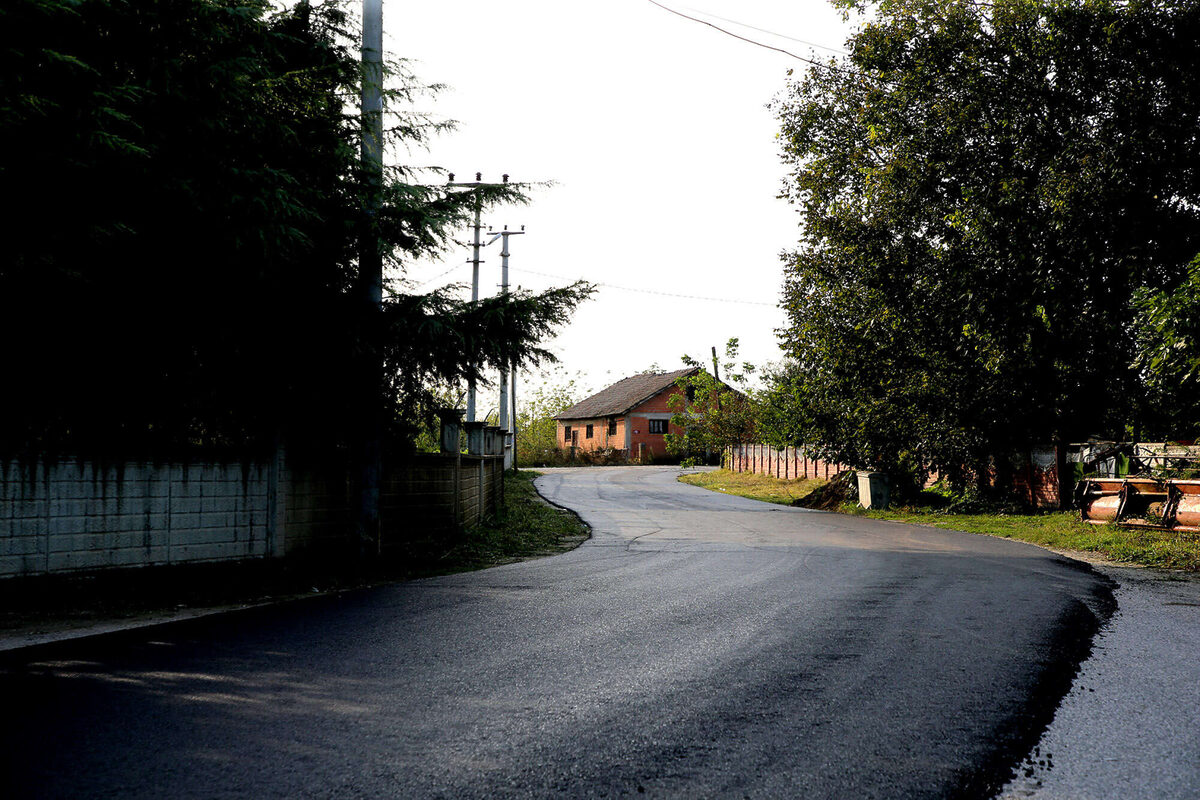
pixel 181 264
pixel 983 188
pixel 713 413
pixel 1167 327
pixel 537 430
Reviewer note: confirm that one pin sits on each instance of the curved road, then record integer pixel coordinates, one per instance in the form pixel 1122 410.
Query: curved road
pixel 697 645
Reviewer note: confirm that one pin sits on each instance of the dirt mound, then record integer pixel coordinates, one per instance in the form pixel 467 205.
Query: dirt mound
pixel 841 488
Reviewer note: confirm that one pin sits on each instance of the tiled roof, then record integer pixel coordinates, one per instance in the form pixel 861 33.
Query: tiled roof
pixel 623 395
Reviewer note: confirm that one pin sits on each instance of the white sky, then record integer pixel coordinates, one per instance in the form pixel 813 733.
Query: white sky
pixel 656 133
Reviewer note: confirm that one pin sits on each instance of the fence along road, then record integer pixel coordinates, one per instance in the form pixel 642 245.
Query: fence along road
pixel 697 645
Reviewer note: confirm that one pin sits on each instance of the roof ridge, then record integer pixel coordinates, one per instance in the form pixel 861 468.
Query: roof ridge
pixel 622 396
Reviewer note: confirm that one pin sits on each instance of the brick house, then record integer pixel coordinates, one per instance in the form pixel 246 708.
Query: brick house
pixel 631 415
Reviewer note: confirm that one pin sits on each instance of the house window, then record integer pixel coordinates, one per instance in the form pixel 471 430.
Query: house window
pixel 612 427
pixel 691 394
pixel 658 426
pixel 566 433
pixel 588 434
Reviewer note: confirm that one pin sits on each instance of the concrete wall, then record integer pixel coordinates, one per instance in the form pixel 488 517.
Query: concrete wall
pixel 320 504
pixel 77 515
pixel 420 496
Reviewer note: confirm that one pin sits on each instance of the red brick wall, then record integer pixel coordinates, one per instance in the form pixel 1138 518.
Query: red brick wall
pixel 642 442
pixel 600 438
pixel 1036 480
pixel 651 444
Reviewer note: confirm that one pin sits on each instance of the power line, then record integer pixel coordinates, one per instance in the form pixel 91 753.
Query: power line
pixel 837 50
pixel 811 61
pixel 439 275
pixel 621 288
pixel 653 291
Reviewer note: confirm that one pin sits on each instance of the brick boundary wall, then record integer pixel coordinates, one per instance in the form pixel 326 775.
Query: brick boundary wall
pixel 1034 474
pixel 76 515
pixel 788 463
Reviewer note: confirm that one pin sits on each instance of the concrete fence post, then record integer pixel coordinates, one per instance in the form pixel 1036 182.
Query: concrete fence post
pixel 451 421
pixel 493 440
pixel 277 494
pixel 474 437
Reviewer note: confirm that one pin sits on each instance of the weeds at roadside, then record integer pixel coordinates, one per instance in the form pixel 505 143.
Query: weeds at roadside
pixel 526 526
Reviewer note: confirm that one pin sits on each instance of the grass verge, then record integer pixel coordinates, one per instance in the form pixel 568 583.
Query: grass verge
pixel 526 526
pixel 756 487
pixel 1058 530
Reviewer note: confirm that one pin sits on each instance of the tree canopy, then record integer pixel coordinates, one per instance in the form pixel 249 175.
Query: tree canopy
pixel 993 198
pixel 181 256
pixel 710 411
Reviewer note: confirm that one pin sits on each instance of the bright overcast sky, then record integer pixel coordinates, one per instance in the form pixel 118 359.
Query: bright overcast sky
pixel 656 133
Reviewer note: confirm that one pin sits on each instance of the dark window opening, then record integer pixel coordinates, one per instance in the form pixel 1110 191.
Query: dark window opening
pixel 658 426
pixel 588 434
pixel 567 433
pixel 612 427
pixel 691 394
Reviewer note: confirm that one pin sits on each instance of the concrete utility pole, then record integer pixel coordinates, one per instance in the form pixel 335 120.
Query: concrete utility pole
pixel 475 262
pixel 510 443
pixel 514 419
pixel 370 263
pixel 370 257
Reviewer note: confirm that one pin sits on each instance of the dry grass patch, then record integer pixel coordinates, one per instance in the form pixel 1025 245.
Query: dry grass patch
pixel 1058 530
pixel 756 487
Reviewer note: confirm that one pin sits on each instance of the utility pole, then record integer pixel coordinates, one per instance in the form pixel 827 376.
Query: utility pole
pixel 370 257
pixel 514 419
pixel 475 262
pixel 510 451
pixel 370 263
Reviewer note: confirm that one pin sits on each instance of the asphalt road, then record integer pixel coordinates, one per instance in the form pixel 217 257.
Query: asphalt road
pixel 1130 727
pixel 697 645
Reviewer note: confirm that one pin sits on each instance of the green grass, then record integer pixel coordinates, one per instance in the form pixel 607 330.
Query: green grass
pixel 756 487
pixel 1058 530
pixel 1061 530
pixel 526 526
